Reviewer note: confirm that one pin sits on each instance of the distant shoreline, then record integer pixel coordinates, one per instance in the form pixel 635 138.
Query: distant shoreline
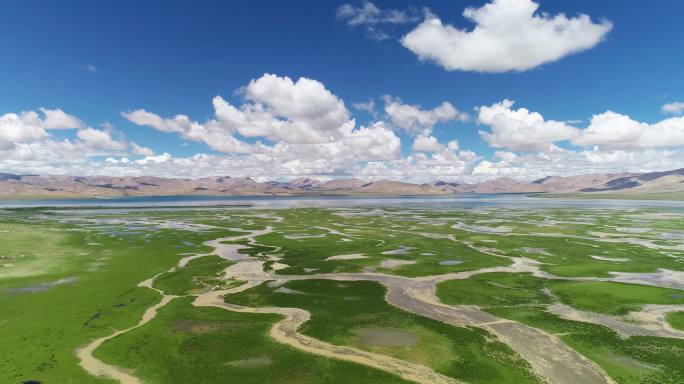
pixel 455 201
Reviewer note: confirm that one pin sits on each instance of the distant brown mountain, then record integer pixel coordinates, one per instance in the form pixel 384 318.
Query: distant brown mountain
pixel 622 183
pixel 40 186
pixel 104 186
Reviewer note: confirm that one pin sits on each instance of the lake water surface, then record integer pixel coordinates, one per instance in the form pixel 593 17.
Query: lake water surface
pixel 455 201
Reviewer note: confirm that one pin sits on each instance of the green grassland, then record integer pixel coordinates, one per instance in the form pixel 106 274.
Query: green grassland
pixel 70 276
pixel 198 276
pixel 613 298
pixel 676 319
pixel 43 324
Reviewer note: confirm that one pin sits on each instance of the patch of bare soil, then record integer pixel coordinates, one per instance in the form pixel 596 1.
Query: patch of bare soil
pixel 385 337
pixel 253 362
pixel 198 327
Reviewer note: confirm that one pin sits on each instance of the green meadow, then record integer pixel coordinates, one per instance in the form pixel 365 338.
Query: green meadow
pixel 71 276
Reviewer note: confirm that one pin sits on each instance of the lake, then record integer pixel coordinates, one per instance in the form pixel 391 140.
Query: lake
pixel 454 201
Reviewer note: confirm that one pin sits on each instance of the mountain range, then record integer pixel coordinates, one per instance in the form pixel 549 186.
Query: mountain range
pixel 45 186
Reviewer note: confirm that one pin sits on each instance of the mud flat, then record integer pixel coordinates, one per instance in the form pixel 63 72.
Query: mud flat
pixel 395 263
pixel 386 337
pixel 614 259
pixel 663 278
pixel 649 322
pixel 351 256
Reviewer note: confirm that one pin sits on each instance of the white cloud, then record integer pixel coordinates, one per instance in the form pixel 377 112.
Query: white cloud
pixel 675 108
pixel 424 143
pixel 611 129
pixel 140 150
pixel 309 127
pixel 96 139
pixel 368 107
pixel 521 130
pixel 568 163
pixel 453 145
pixel 373 19
pixel 302 111
pixel 311 133
pixel 414 120
pixel 509 35
pixel 16 128
pixel 276 108
pixel 58 119
pixel 419 167
pixel 376 142
pixel 616 131
pixel 26 143
pixel 213 134
pixel 28 126
pixel 163 158
pixel 505 156
pixel 89 68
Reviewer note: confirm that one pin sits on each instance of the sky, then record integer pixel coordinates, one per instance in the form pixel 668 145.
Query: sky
pixel 405 90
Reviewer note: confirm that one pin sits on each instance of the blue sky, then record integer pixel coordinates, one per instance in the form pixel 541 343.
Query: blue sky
pixel 95 60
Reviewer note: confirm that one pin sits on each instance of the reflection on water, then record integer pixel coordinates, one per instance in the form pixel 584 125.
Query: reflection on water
pixel 457 201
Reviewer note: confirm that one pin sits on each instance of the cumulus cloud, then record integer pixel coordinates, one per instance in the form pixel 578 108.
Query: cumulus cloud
pixel 521 129
pixel 27 144
pixel 29 126
pixel 309 129
pixel 453 145
pixel 424 143
pixel 20 128
pixel 675 108
pixel 614 142
pixel 301 111
pixel 420 167
pixel 368 107
pixel 376 142
pixel 560 162
pixel 373 19
pixel 275 108
pixel 212 133
pixel 140 150
pixel 617 131
pixel 285 128
pixel 509 35
pixel 97 139
pixel 414 120
pixel 58 119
